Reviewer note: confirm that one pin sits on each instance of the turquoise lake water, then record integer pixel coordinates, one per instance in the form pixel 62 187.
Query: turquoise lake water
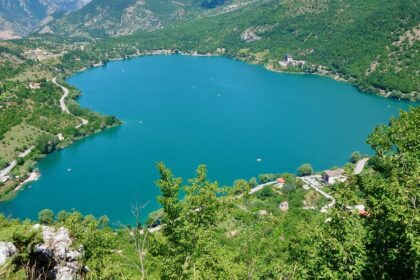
pixel 188 110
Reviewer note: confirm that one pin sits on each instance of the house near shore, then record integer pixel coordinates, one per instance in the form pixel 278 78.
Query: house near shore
pixel 288 61
pixel 332 176
pixel 280 183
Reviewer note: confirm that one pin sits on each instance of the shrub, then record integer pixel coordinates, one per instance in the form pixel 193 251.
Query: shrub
pixel 46 217
pixel 305 170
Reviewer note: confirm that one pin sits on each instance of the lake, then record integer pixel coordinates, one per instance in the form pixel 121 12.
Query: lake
pixel 240 120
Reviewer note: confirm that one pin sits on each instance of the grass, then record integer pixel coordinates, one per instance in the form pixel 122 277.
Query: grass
pixel 311 197
pixel 18 139
pixel 32 74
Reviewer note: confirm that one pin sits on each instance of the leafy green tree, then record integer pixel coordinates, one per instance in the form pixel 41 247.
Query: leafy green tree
pixel 191 247
pixel 25 238
pixel 169 187
pixel 355 157
pixel 305 170
pixel 46 217
pixel 340 248
pixel 392 194
pixel 240 187
pixel 46 144
pixel 96 242
pixel 3 163
pixel 103 221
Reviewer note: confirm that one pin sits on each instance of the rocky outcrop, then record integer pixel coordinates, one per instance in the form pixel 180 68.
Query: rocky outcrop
pixel 55 256
pixel 249 36
pixel 284 206
pixel 53 259
pixel 7 250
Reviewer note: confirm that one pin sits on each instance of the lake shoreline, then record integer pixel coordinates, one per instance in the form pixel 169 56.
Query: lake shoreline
pixel 240 83
pixel 268 66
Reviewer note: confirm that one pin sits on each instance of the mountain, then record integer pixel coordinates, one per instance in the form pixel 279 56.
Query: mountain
pixel 102 18
pixel 20 17
pixel 373 44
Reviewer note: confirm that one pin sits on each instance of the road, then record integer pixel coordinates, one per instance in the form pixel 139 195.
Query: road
pixel 360 165
pixel 260 187
pixel 27 152
pixel 4 172
pixel 312 182
pixel 7 170
pixel 63 97
pixel 63 102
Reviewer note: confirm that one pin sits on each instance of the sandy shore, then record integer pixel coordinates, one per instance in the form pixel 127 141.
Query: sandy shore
pixel 33 176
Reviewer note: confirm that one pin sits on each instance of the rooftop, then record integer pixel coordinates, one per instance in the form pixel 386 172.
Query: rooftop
pixel 335 172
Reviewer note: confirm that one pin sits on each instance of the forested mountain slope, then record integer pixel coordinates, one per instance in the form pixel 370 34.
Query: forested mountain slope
pixel 109 17
pixel 374 44
pixel 19 17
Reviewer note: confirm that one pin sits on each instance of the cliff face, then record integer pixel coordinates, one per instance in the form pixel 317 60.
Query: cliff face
pixel 19 17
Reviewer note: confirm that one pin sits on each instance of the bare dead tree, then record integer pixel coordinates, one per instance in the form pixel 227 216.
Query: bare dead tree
pixel 139 235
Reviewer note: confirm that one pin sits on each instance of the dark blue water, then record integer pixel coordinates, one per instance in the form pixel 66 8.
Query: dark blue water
pixel 186 111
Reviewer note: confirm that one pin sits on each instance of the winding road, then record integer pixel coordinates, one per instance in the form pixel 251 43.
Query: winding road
pixel 63 102
pixel 63 97
pixel 260 187
pixel 360 165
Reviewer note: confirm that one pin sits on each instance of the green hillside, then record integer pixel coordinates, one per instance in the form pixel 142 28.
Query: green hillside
pixel 373 44
pixel 109 18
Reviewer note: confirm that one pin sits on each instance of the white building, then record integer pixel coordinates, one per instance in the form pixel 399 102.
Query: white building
pixel 332 176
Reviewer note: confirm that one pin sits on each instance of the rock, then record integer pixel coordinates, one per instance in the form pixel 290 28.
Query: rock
pixel 250 36
pixel 7 250
pixel 55 252
pixel 284 206
pixel 262 213
pixel 232 233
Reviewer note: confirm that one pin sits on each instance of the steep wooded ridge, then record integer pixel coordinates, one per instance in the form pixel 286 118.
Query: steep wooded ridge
pixel 19 17
pixel 373 44
pixel 108 17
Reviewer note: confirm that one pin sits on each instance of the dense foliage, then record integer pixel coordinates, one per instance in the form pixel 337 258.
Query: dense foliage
pixel 217 233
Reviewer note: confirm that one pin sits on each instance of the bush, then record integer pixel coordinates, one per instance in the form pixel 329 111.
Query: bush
pixel 46 144
pixel 265 193
pixel 305 170
pixel 62 216
pixel 3 163
pixel 355 157
pixel 46 217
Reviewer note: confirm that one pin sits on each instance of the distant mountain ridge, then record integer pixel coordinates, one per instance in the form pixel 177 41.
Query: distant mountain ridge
pixel 20 17
pixel 102 18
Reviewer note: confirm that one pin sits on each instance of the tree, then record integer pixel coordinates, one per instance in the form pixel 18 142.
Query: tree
pixel 305 170
pixel 46 217
pixel 190 248
pixel 103 221
pixel 46 143
pixel 355 157
pixel 169 187
pixel 340 248
pixel 62 216
pixel 3 163
pixel 392 196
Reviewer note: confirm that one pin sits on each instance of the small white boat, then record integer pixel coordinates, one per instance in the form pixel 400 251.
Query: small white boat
pixel 259 159
pixel 69 169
